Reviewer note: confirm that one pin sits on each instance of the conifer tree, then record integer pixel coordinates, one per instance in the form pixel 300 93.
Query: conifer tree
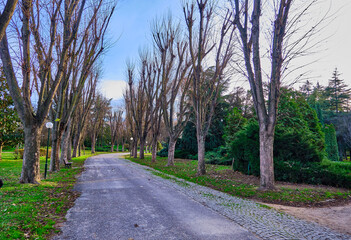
pixel 338 93
pixel 331 144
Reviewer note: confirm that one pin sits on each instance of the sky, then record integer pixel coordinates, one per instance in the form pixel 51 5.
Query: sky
pixel 129 32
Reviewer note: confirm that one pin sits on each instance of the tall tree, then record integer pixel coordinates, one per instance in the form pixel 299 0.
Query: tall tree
pixel 286 44
pixel 174 64
pixel 60 24
pixel 337 93
pixel 84 53
pixel 100 108
pixel 138 104
pixel 115 122
pixel 80 118
pixel 204 42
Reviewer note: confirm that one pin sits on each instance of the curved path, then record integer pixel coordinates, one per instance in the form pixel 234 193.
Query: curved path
pixel 121 200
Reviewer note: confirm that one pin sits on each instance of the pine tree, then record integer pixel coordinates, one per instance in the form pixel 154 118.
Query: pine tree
pixel 337 92
pixel 306 88
pixel 331 144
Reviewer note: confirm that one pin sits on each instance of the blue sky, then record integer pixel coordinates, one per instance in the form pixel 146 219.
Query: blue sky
pixel 130 31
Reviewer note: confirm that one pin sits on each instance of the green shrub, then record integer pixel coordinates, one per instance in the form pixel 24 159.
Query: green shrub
pixel 313 173
pixel 331 144
pixel 18 153
pixel 218 157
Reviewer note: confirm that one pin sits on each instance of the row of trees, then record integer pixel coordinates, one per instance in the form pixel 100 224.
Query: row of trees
pixel 182 75
pixel 190 72
pixel 50 59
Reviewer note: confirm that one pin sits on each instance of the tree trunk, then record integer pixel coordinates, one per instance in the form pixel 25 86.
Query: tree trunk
pixel 171 149
pixel 201 168
pixel 154 151
pixel 55 151
pixel 31 156
pixel 69 150
pixel 141 150
pixel 93 142
pixel 122 147
pixel 112 145
pixel 76 141
pixel 266 159
pixel 0 151
pixel 64 145
pixel 135 150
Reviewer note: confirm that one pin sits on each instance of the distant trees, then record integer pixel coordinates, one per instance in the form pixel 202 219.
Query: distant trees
pixel 10 124
pixel 96 118
pixel 337 93
pixel 115 122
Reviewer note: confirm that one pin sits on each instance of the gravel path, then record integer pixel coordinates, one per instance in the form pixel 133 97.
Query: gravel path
pixel 121 200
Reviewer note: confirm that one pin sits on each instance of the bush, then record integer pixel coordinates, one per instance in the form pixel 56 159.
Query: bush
pixel 313 173
pixel 218 157
pixel 18 153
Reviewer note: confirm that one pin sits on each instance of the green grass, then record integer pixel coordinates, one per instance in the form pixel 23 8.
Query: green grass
pixel 29 211
pixel 284 195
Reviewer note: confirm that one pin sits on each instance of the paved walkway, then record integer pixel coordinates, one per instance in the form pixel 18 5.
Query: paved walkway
pixel 121 200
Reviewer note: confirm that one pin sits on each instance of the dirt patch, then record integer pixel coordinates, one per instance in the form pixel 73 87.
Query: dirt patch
pixel 337 218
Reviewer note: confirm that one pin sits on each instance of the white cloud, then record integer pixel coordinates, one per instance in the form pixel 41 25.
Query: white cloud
pixel 113 88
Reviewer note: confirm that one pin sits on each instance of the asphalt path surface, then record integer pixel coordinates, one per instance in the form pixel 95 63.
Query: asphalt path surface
pixel 120 200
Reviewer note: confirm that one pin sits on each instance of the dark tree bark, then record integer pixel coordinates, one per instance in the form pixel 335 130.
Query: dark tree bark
pixel 6 16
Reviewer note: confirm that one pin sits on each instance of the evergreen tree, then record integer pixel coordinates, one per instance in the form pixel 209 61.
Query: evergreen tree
pixel 306 88
pixel 337 92
pixel 331 145
pixel 10 133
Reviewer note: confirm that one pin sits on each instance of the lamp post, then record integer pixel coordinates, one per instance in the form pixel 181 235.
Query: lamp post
pixel 131 148
pixel 48 125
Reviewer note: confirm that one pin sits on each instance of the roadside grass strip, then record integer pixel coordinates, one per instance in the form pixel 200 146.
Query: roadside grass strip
pixel 34 211
pixel 285 195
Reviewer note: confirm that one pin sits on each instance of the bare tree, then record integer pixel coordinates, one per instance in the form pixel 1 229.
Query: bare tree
pixel 286 44
pixel 206 83
pixel 83 110
pixel 115 122
pixel 140 105
pixel 100 108
pixel 174 64
pixel 64 17
pixel 84 53
pixel 130 126
pixel 6 15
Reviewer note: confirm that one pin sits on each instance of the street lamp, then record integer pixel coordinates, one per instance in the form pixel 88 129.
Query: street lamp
pixel 48 125
pixel 130 146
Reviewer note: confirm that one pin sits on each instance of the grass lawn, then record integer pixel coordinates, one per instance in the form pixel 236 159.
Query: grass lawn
pixel 226 180
pixel 29 211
